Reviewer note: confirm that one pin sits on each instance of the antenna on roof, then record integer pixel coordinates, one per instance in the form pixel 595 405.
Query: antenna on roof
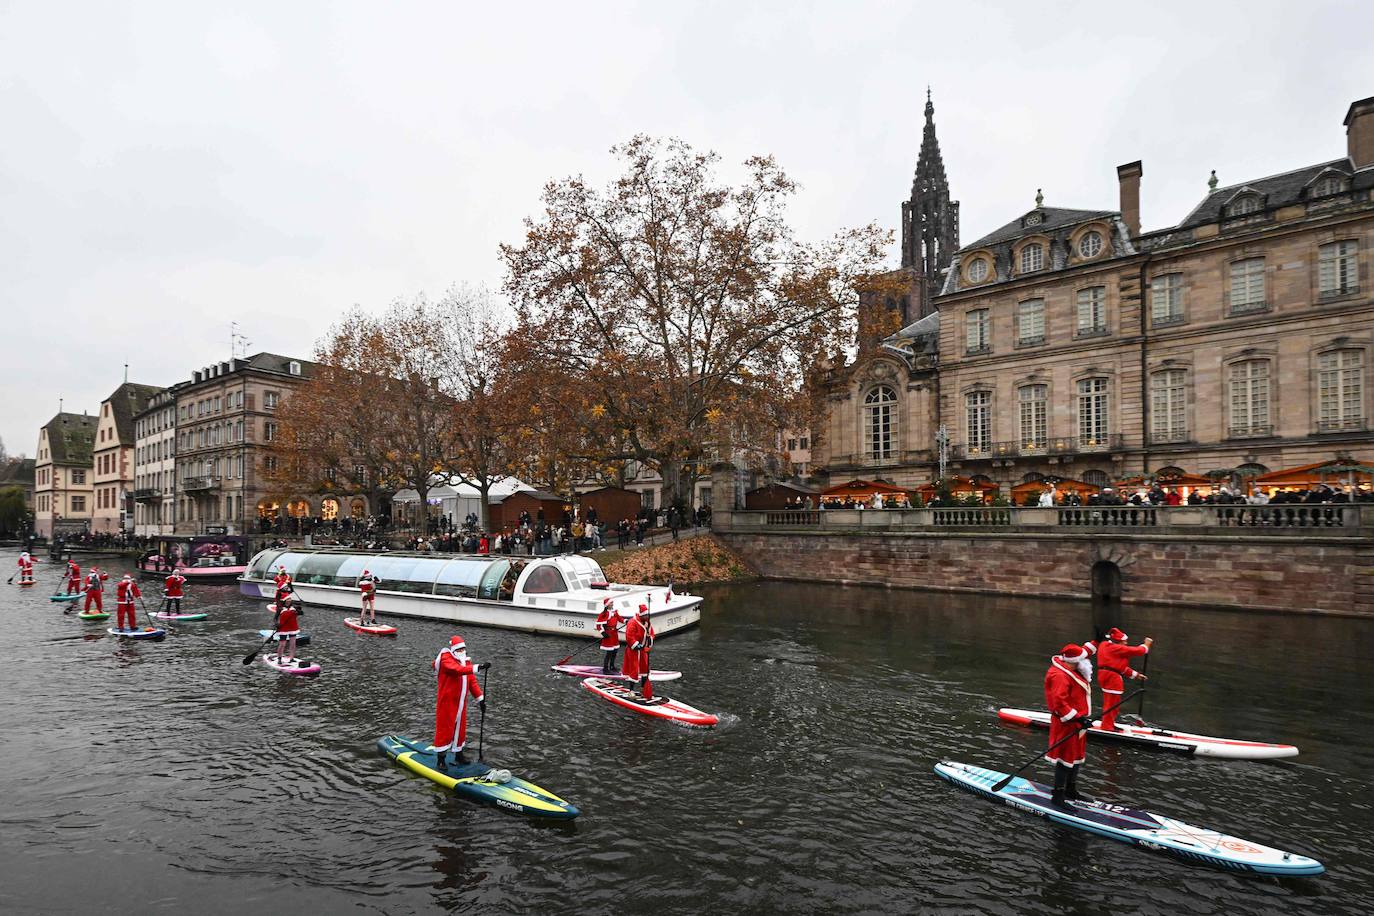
pixel 238 343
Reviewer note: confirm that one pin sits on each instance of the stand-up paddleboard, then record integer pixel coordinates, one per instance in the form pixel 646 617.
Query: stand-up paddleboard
pixel 302 639
pixel 1163 738
pixel 659 707
pixel 64 597
pixel 380 629
pixel 160 615
pixel 1129 825
pixel 595 671
pixel 94 615
pixel 25 584
pixel 299 666
pixel 154 633
pixel 478 781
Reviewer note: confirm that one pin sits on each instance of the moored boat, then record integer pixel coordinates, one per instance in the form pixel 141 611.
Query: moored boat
pixel 561 594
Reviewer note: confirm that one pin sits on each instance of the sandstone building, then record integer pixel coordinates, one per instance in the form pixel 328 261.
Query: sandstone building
pixel 1069 342
pixel 63 475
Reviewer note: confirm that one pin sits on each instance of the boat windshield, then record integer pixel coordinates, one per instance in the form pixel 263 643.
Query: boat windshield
pixel 263 565
pixel 461 576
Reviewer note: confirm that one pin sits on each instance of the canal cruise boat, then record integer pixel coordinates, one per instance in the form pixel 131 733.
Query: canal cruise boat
pixel 560 595
pixel 200 558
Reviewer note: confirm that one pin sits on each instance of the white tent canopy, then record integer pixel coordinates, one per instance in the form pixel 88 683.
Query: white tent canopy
pixel 460 500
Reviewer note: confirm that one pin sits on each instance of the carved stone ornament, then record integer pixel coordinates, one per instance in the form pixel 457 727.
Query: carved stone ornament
pixel 882 371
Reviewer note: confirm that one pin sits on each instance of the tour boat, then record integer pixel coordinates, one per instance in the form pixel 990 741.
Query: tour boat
pixel 561 594
pixel 201 558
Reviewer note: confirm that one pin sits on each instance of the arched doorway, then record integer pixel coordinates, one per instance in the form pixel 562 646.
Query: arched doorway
pixel 298 508
pixel 268 509
pixel 357 508
pixel 329 509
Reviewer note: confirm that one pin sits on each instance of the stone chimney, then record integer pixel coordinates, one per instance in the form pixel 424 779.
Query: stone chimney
pixel 1359 133
pixel 1129 177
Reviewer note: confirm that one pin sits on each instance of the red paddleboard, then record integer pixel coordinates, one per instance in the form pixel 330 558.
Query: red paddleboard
pixel 658 707
pixel 381 629
pixel 595 671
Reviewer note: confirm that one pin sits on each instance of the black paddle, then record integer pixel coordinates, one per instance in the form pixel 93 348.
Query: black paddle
pixel 482 720
pixel 1002 784
pixel 250 657
pixel 565 660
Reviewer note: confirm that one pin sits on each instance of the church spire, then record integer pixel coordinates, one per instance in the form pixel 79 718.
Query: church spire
pixel 930 220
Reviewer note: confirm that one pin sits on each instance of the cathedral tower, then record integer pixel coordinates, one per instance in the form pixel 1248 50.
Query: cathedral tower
pixel 930 220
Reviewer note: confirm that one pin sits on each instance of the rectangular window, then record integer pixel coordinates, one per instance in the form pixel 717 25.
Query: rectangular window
pixel 978 406
pixel 269 400
pixel 1166 299
pixel 1092 412
pixel 78 477
pixel 1169 406
pixel 1338 271
pixel 977 337
pixel 804 443
pixel 1247 286
pixel 1249 384
pixel 78 504
pixel 269 431
pixel 1030 322
pixel 359 475
pixel 1340 390
pixel 1092 311
pixel 1034 406
pixel 791 445
pixel 269 463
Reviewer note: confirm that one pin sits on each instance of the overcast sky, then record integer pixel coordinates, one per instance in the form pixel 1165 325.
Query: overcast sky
pixel 167 168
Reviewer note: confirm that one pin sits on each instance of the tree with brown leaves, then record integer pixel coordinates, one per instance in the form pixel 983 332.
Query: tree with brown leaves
pixel 683 310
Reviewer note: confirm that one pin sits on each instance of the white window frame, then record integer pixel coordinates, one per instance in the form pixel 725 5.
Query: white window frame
pixel 1033 403
pixel 978 421
pixel 1032 257
pixel 1030 322
pixel 1249 396
pixel 1169 405
pixel 1166 298
pixel 977 330
pixel 1338 268
pixel 1340 390
pixel 880 423
pixel 1093 408
pixel 1092 238
pixel 1247 285
pixel 978 270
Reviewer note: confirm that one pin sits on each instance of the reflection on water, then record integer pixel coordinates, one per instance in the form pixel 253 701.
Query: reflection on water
pixel 177 775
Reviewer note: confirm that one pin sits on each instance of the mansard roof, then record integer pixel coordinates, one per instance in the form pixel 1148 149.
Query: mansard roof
pixel 1275 191
pixel 1051 219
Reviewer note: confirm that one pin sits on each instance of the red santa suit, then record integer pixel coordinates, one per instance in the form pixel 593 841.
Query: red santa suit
pixel 457 681
pixel 172 591
pixel 25 568
pixel 1068 695
pixel 95 590
pixel 608 625
pixel 282 578
pixel 639 638
pixel 287 621
pixel 1113 666
pixel 73 578
pixel 125 593
pixel 367 584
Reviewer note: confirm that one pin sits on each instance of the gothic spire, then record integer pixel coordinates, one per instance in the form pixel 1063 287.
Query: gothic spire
pixel 930 220
pixel 930 166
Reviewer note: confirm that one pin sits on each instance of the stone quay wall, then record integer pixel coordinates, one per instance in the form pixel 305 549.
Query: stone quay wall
pixel 1317 559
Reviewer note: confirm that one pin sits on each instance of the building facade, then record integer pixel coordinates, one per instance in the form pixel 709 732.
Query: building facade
pixel 63 475
pixel 155 433
pixel 225 417
pixel 1072 344
pixel 113 473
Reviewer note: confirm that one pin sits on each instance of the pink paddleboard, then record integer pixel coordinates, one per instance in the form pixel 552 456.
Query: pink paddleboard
pixel 381 629
pixel 595 671
pixel 297 666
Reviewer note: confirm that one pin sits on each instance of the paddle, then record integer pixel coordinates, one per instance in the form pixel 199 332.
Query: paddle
pixel 1002 784
pixel 250 657
pixel 482 720
pixel 1144 668
pixel 594 642
pixel 151 622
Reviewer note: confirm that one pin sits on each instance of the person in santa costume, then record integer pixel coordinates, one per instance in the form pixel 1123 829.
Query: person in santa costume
pixel 126 590
pixel 286 622
pixel 367 584
pixel 1113 667
pixel 73 577
pixel 1068 695
pixel 172 591
pixel 457 679
pixel 283 578
pixel 608 625
pixel 639 639
pixel 95 590
pixel 25 569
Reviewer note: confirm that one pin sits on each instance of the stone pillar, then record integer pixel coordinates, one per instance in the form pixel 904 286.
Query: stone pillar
pixel 723 495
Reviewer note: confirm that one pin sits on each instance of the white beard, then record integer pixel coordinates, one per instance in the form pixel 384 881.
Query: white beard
pixel 1085 670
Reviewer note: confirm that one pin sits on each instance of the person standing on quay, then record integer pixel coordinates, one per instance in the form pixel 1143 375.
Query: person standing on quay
pixel 172 592
pixel 367 584
pixel 1068 695
pixel 95 590
pixel 126 591
pixel 457 680
pixel 608 625
pixel 1113 666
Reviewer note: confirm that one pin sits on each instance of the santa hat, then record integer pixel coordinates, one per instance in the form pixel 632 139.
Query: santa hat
pixel 1073 653
pixel 366 573
pixel 643 609
pixel 1116 635
pixel 455 643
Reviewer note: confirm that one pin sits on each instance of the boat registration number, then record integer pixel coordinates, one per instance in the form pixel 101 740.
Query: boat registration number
pixel 572 624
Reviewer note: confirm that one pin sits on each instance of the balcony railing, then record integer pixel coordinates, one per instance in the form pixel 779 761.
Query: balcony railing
pixel 1339 291
pixel 1170 436
pixel 146 494
pixel 199 484
pixel 1056 445
pixel 1253 431
pixel 1344 425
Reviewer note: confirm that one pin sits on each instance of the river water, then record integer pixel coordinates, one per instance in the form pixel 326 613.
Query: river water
pixel 168 777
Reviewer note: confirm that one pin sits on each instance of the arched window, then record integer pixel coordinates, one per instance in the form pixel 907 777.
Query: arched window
pixel 1340 390
pixel 1090 245
pixel 1251 470
pixel 1033 408
pixel 1096 478
pixel 357 508
pixel 1032 257
pixel 1169 406
pixel 880 423
pixel 1032 477
pixel 329 509
pixel 978 408
pixel 1248 382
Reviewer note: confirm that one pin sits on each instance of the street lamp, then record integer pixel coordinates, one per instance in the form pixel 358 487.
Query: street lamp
pixel 942 447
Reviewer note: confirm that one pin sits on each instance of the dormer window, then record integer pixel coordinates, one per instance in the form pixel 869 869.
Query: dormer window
pixel 978 270
pixel 1328 185
pixel 1090 245
pixel 1243 205
pixel 293 367
pixel 1032 257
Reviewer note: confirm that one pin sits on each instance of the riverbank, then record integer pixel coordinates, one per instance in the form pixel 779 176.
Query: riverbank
pixel 694 560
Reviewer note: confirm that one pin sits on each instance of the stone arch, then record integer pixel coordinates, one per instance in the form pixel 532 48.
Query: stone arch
pixel 329 509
